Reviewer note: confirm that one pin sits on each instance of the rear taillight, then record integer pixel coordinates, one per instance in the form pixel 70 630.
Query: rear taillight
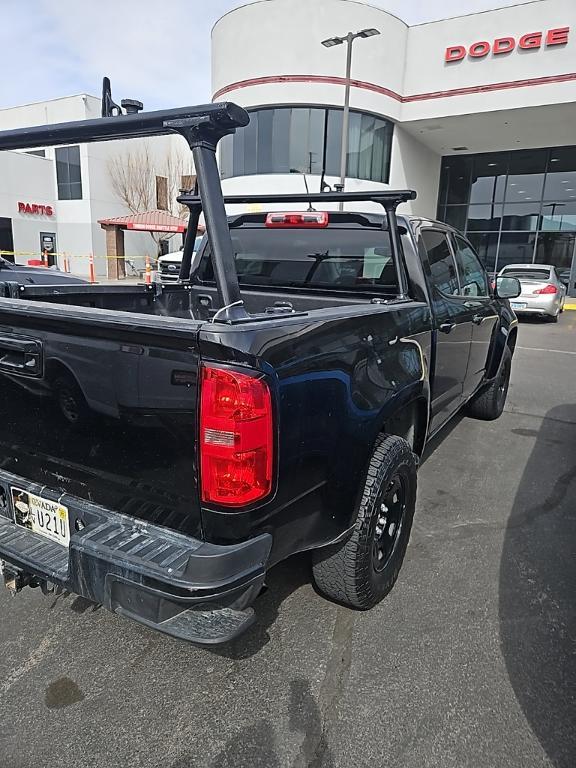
pixel 298 219
pixel 546 289
pixel 236 441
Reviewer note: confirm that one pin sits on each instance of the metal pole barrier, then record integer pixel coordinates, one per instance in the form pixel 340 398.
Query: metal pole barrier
pixel 91 271
pixel 346 116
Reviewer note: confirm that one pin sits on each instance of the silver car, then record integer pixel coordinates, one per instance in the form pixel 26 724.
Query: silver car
pixel 543 293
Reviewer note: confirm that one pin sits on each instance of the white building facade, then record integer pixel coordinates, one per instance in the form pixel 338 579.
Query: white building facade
pixel 54 197
pixel 477 113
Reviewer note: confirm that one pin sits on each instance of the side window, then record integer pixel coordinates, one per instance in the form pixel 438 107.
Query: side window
pixel 473 278
pixel 442 267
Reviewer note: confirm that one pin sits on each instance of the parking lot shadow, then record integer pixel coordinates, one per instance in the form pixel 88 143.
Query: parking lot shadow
pixel 282 580
pixel 537 592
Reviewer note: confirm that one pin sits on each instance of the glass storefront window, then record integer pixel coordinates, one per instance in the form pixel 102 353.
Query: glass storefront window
pixel 307 140
pixel 455 215
pixel 486 246
pixel 559 216
pixel 556 248
pixel 524 187
pixel 561 176
pixel 455 180
pixel 515 248
pixel 483 218
pixel 521 206
pixel 521 216
pixel 489 178
pixel 526 175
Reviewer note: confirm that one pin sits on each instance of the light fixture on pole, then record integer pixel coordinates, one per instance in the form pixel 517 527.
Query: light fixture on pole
pixel 330 43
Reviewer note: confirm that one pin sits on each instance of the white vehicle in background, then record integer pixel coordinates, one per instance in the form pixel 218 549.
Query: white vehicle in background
pixel 543 292
pixel 169 265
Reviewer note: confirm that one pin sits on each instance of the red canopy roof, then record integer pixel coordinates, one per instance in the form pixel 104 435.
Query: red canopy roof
pixel 151 221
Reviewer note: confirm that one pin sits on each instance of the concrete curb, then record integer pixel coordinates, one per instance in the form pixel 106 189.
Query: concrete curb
pixel 569 306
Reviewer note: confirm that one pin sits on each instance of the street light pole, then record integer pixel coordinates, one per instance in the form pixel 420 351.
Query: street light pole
pixel 346 116
pixel 330 43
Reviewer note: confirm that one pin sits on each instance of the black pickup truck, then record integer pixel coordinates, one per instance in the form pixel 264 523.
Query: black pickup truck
pixel 163 446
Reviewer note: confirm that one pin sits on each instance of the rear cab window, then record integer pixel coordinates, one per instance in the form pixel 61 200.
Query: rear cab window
pixel 355 259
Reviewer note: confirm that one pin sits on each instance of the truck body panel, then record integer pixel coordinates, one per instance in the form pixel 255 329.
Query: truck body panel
pixel 315 334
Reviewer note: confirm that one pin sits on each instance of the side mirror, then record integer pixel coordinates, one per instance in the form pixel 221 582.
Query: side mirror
pixel 508 287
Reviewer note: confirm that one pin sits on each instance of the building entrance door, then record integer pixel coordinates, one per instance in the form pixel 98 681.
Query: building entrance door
pixel 6 240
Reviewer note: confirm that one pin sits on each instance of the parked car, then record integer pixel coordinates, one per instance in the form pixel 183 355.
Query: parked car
pixel 169 264
pixel 17 273
pixel 277 403
pixel 543 291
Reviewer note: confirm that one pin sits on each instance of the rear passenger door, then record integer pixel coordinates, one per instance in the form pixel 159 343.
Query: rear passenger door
pixel 475 291
pixel 452 325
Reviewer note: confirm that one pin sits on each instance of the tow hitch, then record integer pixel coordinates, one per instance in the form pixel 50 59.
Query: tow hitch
pixel 15 580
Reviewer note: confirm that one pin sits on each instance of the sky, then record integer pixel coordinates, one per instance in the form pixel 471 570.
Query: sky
pixel 157 51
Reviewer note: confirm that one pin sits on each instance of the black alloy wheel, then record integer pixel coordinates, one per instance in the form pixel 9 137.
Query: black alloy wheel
pixel 389 522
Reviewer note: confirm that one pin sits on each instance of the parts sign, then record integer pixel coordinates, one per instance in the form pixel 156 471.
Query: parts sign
pixel 39 210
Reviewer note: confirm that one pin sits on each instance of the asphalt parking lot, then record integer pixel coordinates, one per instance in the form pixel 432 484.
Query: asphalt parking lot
pixel 471 661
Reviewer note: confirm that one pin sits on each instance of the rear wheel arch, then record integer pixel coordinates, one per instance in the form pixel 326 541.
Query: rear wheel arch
pixel 56 369
pixel 512 339
pixel 501 344
pixel 410 422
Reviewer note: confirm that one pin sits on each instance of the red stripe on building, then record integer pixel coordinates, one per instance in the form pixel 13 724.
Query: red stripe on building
pixel 547 80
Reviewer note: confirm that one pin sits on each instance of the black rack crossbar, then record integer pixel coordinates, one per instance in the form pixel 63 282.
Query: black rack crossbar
pixel 385 197
pixel 226 116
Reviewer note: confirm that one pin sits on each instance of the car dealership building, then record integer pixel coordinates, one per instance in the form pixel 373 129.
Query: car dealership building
pixel 477 113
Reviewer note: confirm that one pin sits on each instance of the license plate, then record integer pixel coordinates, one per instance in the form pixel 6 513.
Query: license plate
pixel 44 516
pixel 518 304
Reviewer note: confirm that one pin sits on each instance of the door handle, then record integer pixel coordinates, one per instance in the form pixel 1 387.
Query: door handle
pixel 446 327
pixel 477 319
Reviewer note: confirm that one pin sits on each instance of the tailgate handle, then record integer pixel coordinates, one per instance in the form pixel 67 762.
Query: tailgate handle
pixel 23 356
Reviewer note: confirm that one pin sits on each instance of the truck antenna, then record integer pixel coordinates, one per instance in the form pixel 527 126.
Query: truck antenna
pixel 295 170
pixel 109 106
pixel 324 187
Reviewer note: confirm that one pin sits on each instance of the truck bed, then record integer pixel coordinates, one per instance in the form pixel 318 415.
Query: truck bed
pixel 128 442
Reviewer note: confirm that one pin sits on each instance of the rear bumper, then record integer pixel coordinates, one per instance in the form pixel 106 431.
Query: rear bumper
pixel 174 583
pixel 541 306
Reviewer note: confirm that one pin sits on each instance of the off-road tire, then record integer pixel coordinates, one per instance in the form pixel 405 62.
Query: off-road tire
pixel 349 572
pixel 489 404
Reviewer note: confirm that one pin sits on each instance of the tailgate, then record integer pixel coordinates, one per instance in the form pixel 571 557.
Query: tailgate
pixel 100 406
